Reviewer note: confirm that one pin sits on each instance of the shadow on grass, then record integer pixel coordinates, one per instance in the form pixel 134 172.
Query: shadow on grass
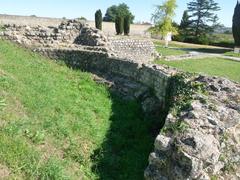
pixel 207 50
pixel 212 50
pixel 129 141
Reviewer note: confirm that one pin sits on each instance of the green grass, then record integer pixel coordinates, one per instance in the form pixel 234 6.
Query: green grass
pixel 211 66
pixel 232 54
pixel 223 40
pixel 57 123
pixel 169 51
pixel 176 49
pixel 1 28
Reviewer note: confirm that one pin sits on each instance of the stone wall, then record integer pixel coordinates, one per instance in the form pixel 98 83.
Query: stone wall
pixel 132 48
pixel 201 136
pixel 136 30
pixel 71 32
pixel 155 78
pixel 75 33
pixel 29 20
pixel 108 27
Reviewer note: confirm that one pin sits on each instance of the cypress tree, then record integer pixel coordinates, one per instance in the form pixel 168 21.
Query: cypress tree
pixel 98 19
pixel 127 25
pixel 119 23
pixel 236 25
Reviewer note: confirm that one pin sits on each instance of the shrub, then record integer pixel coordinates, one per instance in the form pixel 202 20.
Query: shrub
pixel 119 24
pixel 82 18
pixel 98 19
pixel 127 25
pixel 203 39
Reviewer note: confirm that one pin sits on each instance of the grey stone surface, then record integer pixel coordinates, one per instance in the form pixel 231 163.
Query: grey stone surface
pixel 209 145
pixel 141 49
pixel 100 62
pixel 76 34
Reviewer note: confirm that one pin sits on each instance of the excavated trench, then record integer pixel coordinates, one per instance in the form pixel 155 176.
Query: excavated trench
pixel 133 83
pixel 150 119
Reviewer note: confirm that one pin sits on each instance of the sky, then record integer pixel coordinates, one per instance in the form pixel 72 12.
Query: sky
pixel 142 9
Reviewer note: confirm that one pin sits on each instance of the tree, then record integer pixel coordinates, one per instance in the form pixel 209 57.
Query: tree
pixel 127 25
pixel 98 19
pixel 202 17
pixel 113 11
pixel 111 14
pixel 184 27
pixel 119 23
pixel 236 25
pixel 185 21
pixel 163 19
pixel 82 18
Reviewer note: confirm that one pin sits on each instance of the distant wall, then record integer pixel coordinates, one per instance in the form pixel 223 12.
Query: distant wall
pixel 29 20
pixel 136 29
pixel 108 27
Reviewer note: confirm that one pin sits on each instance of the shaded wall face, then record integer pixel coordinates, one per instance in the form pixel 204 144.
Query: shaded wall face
pixel 148 75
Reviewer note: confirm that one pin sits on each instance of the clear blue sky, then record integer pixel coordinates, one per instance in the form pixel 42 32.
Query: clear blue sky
pixel 142 9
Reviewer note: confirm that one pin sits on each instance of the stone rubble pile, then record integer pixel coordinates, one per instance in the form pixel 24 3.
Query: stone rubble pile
pixel 68 33
pixel 76 34
pixel 209 146
pixel 91 37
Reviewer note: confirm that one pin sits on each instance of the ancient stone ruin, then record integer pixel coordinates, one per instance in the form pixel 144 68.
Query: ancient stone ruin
pixel 76 34
pixel 200 138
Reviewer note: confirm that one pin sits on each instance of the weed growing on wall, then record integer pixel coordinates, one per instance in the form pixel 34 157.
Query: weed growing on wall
pixel 181 90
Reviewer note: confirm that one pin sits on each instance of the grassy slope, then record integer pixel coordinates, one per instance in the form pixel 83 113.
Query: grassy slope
pixel 210 66
pixel 57 123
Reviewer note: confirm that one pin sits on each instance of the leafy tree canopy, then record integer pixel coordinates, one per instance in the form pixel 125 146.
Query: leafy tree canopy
pixel 118 10
pixel 163 18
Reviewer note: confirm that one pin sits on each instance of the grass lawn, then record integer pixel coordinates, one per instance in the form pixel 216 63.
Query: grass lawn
pixel 172 50
pixel 211 66
pixel 224 40
pixel 179 48
pixel 57 123
pixel 232 54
